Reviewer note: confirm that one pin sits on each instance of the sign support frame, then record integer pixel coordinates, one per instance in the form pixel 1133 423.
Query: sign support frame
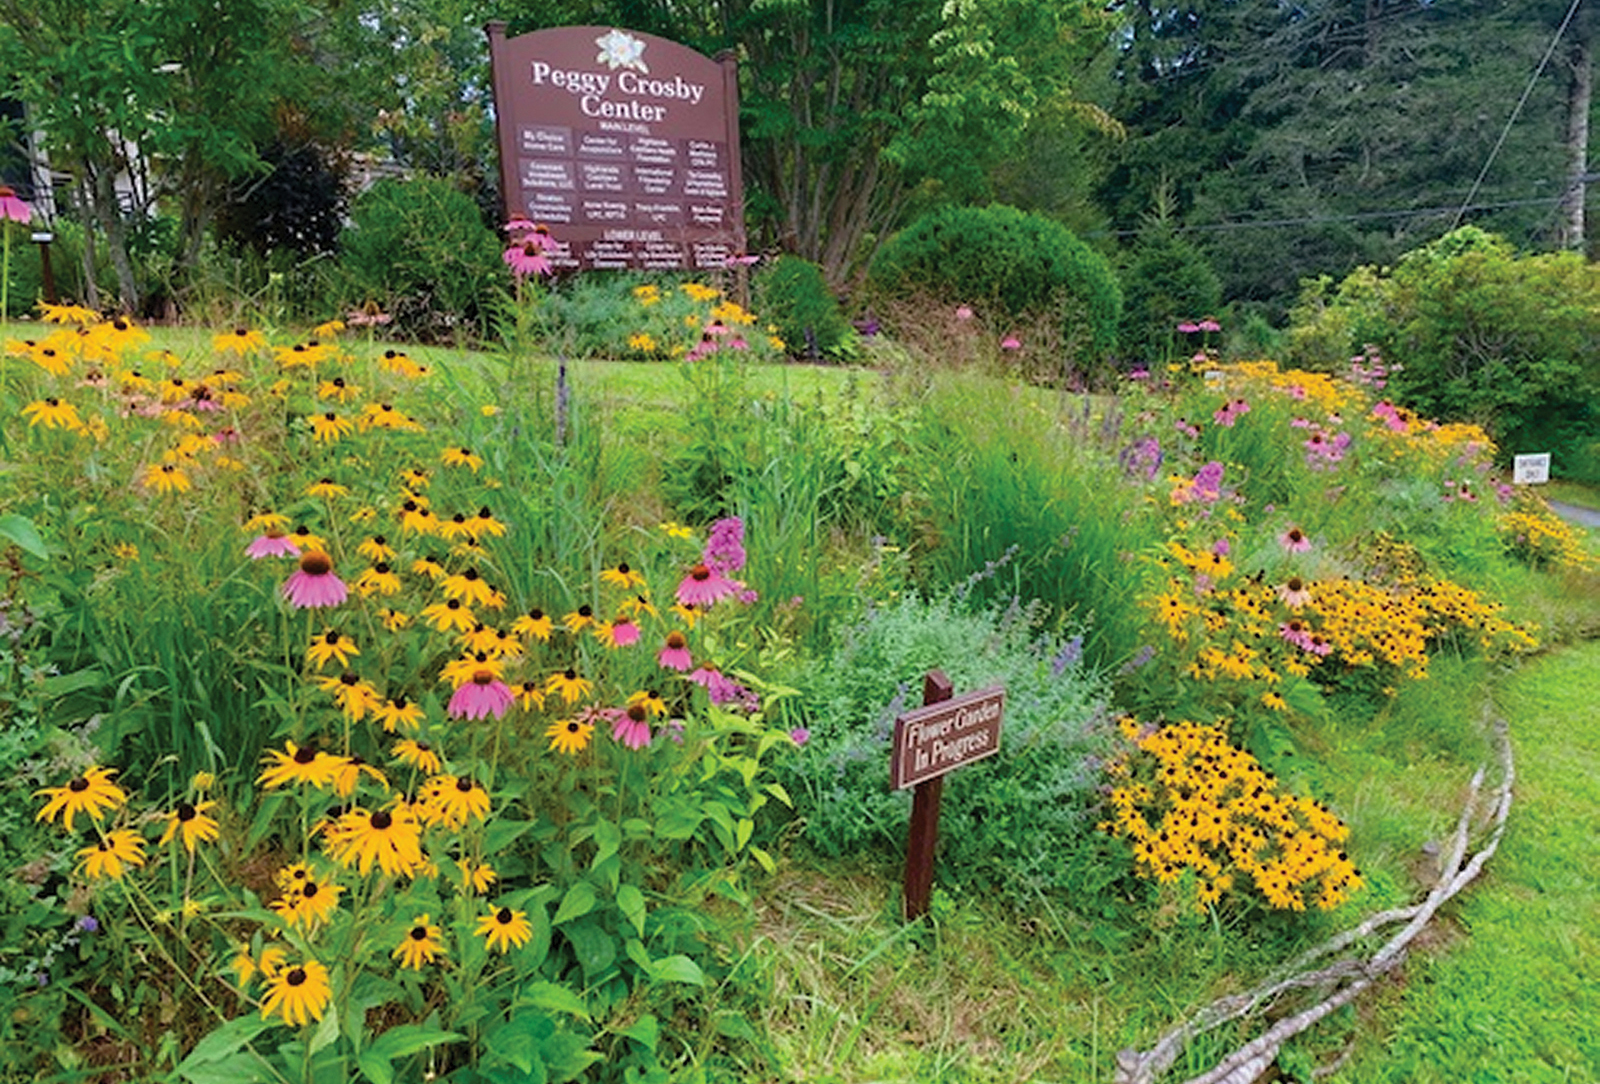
pixel 923 837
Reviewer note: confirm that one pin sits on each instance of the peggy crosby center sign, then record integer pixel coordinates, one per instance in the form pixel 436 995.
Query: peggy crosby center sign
pixel 625 145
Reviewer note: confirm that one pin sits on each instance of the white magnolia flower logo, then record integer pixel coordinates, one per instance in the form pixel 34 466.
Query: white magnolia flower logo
pixel 621 50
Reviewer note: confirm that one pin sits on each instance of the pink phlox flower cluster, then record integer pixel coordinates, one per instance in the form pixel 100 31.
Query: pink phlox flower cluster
pixel 723 690
pixel 709 582
pixel 1230 412
pixel 1191 327
pixel 1205 486
pixel 1142 458
pixel 724 550
pixel 1369 370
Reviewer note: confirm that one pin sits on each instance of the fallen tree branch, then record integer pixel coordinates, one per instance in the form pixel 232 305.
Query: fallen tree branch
pixel 1346 978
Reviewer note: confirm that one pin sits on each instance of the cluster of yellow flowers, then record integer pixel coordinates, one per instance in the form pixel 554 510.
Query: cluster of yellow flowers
pixel 1542 539
pixel 1190 802
pixel 1317 389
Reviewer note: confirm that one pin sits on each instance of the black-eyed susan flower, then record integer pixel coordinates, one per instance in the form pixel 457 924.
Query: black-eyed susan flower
pixel 621 575
pixel 415 479
pixel 349 773
pixel 460 671
pixel 191 824
pixel 53 413
pixel 380 579
pixel 308 902
pixel 579 619
pixel 421 945
pixel 399 713
pixel 166 478
pixel 337 388
pixel 638 606
pixel 241 340
pixel 486 525
pixel 419 755
pixel 449 615
pixel 453 801
pixel 529 694
pixel 503 929
pixel 394 620
pixel 455 527
pixel 355 697
pixel 297 764
pixel 117 852
pixel 568 685
pixel 376 548
pixel 652 701
pixel 388 838
pixel 297 995
pixel 332 646
pixel 92 793
pixel 484 640
pixel 329 426
pixel 458 456
pixel 470 588
pixel 327 489
pixel 328 329
pixel 535 623
pixel 430 566
pixel 416 518
pixel 478 876
pixel 570 736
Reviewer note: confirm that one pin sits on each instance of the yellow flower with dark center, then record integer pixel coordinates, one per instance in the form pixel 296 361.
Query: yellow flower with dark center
pixel 460 671
pixel 530 695
pixel 297 995
pixel 328 330
pixel 504 928
pixel 479 876
pixel 428 565
pixel 421 944
pixel 1274 701
pixel 302 537
pixel 376 548
pixel 355 697
pixel 570 736
pixel 451 614
pixel 52 413
pixel 456 527
pixel 453 801
pixel 637 606
pixel 579 619
pixel 419 755
pixel 535 623
pixel 399 713
pixel 391 839
pixel 461 457
pixel 416 518
pixel 486 525
pixel 337 388
pixel 394 620
pixel 622 576
pixel 308 903
pixel 68 314
pixel 190 823
pixel 166 478
pixel 348 776
pixel 332 645
pixel 568 685
pixel 470 587
pixel 380 579
pixel 240 340
pixel 327 489
pixel 92 793
pixel 650 700
pixel 487 641
pixel 265 521
pixel 117 852
pixel 297 764
pixel 329 427
pixel 415 479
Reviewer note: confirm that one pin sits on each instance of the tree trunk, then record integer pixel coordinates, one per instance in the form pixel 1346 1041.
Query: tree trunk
pixel 110 215
pixel 80 193
pixel 1570 233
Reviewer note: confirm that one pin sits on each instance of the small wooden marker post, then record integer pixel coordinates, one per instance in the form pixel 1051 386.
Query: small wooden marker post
pixel 945 733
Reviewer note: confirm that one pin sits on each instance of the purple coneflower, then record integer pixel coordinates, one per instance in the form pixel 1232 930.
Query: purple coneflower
pixel 483 695
pixel 12 207
pixel 313 584
pixel 1295 593
pixel 1294 540
pixel 632 727
pixel 704 586
pixel 1011 342
pixel 274 543
pixel 674 654
pixel 526 259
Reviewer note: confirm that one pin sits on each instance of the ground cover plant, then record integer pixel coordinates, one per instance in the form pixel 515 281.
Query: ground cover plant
pixel 403 714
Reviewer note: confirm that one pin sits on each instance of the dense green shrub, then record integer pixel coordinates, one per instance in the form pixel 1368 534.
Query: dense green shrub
pixel 1006 261
pixel 793 295
pixel 420 249
pixel 1013 824
pixel 1167 282
pixel 1476 332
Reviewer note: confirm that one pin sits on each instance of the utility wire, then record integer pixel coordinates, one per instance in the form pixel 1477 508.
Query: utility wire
pixel 1355 216
pixel 1526 91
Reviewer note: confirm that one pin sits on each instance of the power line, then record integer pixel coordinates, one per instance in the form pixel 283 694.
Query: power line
pixel 1526 91
pixel 1355 216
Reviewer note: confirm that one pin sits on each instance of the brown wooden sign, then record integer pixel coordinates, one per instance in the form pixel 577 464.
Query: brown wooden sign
pixel 625 145
pixel 943 736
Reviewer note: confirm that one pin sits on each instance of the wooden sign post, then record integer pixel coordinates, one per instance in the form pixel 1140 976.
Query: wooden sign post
pixel 947 732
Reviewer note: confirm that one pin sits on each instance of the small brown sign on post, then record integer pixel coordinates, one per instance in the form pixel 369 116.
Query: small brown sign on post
pixel 947 732
pixel 624 144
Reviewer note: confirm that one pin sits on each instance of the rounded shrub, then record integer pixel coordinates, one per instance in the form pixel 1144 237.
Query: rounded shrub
pixel 420 249
pixel 792 294
pixel 1012 262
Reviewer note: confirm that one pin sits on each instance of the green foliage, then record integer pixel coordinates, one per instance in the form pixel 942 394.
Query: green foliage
pixel 419 248
pixel 1480 334
pixel 1020 824
pixel 792 294
pixel 1167 281
pixel 1006 261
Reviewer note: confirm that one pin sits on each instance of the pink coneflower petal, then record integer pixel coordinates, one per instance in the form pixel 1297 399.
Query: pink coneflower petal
pixel 271 545
pixel 704 586
pixel 483 695
pixel 1011 342
pixel 313 585
pixel 632 727
pixel 1294 540
pixel 674 654
pixel 526 259
pixel 624 633
pixel 12 207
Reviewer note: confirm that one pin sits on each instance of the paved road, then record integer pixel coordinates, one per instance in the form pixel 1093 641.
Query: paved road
pixel 1587 517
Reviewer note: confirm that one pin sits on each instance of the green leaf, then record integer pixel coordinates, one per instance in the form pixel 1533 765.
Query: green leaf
pixel 549 996
pixel 327 1032
pixel 578 902
pixel 20 531
pixel 244 1067
pixel 646 1031
pixel 502 833
pixel 679 968
pixel 374 1068
pixel 225 1040
pixel 763 859
pixel 742 836
pixel 607 839
pixel 408 1039
pixel 630 901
